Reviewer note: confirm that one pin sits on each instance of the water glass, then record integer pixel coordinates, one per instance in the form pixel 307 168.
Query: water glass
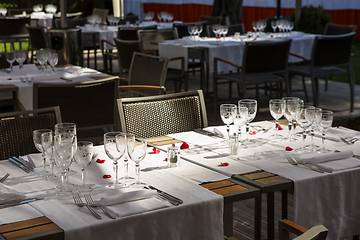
pixel 83 156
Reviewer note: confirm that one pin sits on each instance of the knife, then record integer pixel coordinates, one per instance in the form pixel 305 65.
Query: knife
pixel 22 161
pixel 11 204
pixel 218 133
pixel 204 132
pixel 218 155
pixel 19 165
pixel 165 194
pixel 31 162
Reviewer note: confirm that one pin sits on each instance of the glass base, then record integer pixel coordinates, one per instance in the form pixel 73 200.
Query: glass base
pixel 114 185
pixel 84 188
pixel 138 185
pixel 324 150
pixel 276 137
pixel 43 173
pixel 71 172
pixel 52 176
pixel 127 181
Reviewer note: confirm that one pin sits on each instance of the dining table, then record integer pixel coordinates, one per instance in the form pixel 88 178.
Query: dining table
pixel 25 77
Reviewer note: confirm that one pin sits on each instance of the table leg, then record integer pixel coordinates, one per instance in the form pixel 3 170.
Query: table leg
pixel 284 204
pixel 270 216
pixel 257 219
pixel 228 219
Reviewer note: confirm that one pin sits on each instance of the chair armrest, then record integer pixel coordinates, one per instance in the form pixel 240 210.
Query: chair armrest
pixel 140 86
pixel 102 45
pixel 45 27
pixel 291 226
pixel 19 105
pixel 299 56
pixel 216 59
pixel 151 51
pixel 182 59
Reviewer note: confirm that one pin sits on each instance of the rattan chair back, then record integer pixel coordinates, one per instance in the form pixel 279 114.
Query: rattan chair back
pixel 163 114
pixel 151 38
pixel 125 52
pixel 131 33
pixel 338 29
pixel 16 128
pixel 91 105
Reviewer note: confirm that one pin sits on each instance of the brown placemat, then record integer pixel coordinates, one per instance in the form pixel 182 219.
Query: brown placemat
pixel 162 140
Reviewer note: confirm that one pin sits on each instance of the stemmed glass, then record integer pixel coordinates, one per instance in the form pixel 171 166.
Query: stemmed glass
pixel 83 156
pixel 216 30
pixel 305 118
pixel 226 111
pixel 224 30
pixel 20 56
pixel 239 115
pixel 114 153
pixel 121 144
pixel 199 29
pixel 274 25
pixel 324 125
pixel 64 150
pixel 276 107
pixel 53 59
pixel 315 126
pixel 191 31
pixel 291 103
pixel 10 58
pixel 47 142
pixel 38 145
pixel 41 58
pixel 137 152
pixel 251 105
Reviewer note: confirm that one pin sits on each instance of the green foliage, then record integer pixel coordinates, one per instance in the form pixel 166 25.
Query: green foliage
pixel 312 20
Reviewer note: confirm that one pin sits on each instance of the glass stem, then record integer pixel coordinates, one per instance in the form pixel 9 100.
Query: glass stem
pixel 323 142
pixel 304 137
pixel 44 160
pixel 126 167
pixel 277 127
pixel 83 176
pixel 239 133
pixel 137 171
pixel 312 133
pixel 64 178
pixel 228 130
pixel 116 172
pixel 290 128
pixel 247 130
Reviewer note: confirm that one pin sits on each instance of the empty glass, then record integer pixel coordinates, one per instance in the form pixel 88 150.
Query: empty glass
pixel 53 59
pixel 47 142
pixel 10 58
pixel 324 125
pixel 226 111
pixel 314 127
pixel 20 56
pixel 276 107
pixel 121 144
pixel 239 115
pixel 83 156
pixel 137 152
pixel 38 145
pixel 291 103
pixel 251 105
pixel 305 118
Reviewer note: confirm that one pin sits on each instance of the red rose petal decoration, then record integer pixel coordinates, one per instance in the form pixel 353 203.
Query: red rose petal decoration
pixel 288 148
pixel 252 132
pixel 107 176
pixel 100 161
pixel 224 164
pixel 255 39
pixel 165 160
pixel 155 151
pixel 9 79
pixel 184 145
pixel 280 127
pixel 271 35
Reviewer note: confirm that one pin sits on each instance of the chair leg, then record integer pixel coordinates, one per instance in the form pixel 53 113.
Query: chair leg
pixel 230 91
pixel 305 91
pixel 352 87
pixel 314 91
pixel 216 109
pixel 326 84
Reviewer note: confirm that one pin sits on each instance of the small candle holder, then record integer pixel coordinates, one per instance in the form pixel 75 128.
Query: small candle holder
pixel 173 156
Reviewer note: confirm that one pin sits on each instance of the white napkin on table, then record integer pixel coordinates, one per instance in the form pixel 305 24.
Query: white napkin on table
pixel 126 195
pixel 334 134
pixel 7 194
pixel 334 161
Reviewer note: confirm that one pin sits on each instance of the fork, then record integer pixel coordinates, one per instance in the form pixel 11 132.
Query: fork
pixel 4 177
pixel 309 165
pixel 79 203
pixel 289 159
pixel 91 203
pixel 349 141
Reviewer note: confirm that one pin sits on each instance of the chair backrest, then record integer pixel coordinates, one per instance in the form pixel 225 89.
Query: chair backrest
pixel 182 28
pixel 211 20
pixel 102 13
pixel 151 38
pixel 16 128
pixel 131 33
pixel 163 114
pixel 71 22
pixel 38 37
pixel 16 11
pixel 129 18
pixel 338 29
pixel 125 52
pixel 233 28
pixel 332 50
pixel 13 27
pixel 148 69
pixel 91 104
pixel 265 57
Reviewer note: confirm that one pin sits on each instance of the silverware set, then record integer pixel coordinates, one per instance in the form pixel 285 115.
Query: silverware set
pixel 295 159
pixel 165 196
pixel 90 204
pixel 349 141
pixel 21 163
pixel 26 80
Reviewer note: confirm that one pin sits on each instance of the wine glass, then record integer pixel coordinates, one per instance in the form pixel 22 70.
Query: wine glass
pixel 83 156
pixel 199 28
pixel 226 111
pixel 191 30
pixel 64 149
pixel 137 152
pixel 114 153
pixel 38 145
pixel 47 142
pixel 159 16
pixel 53 59
pixel 10 58
pixel 251 104
pixel 41 58
pixel 324 125
pixel 216 30
pixel 315 126
pixel 224 31
pixel 305 118
pixel 121 144
pixel 20 56
pixel 239 115
pixel 276 107
pixel 274 25
pixel 291 103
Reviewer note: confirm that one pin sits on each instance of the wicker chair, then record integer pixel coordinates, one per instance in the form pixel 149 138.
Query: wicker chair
pixel 13 103
pixel 263 63
pixel 16 138
pixel 325 63
pixel 91 105
pixel 160 115
pixel 338 29
pixel 147 75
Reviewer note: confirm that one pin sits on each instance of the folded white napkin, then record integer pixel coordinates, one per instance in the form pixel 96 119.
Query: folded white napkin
pixel 334 134
pixel 334 161
pixel 118 196
pixel 7 194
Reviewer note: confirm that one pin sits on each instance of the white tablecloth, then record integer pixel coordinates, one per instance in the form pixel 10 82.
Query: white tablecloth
pixel 320 198
pixel 199 217
pixel 230 49
pixel 105 32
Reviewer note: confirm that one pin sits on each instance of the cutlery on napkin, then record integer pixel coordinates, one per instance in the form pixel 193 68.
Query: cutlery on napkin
pixel 126 195
pixel 9 194
pixel 334 134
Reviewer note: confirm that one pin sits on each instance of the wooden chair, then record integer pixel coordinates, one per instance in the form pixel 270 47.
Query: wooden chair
pixel 147 75
pixel 91 105
pixel 102 13
pixel 160 115
pixel 38 39
pixel 13 103
pixel 338 29
pixel 16 138
pixel 315 233
pixel 324 63
pixel 263 63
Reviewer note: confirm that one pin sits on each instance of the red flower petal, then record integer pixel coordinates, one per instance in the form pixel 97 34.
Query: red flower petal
pixel 288 148
pixel 100 161
pixel 224 164
pixel 271 35
pixel 255 39
pixel 280 127
pixel 252 132
pixel 155 151
pixel 107 176
pixel 165 160
pixel 9 79
pixel 184 145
